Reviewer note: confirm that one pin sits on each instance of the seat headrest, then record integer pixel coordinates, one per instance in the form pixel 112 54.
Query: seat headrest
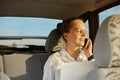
pixel 107 43
pixel 55 41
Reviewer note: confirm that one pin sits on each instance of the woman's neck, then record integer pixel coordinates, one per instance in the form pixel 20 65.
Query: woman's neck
pixel 73 52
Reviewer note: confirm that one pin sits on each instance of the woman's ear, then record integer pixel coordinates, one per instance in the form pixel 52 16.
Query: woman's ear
pixel 65 35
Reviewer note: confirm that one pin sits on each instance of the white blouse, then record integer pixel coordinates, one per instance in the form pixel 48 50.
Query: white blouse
pixel 54 62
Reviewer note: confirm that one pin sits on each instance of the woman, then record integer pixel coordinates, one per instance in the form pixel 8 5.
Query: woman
pixel 74 32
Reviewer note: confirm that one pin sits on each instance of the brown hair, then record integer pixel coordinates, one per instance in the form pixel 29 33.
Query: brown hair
pixel 65 26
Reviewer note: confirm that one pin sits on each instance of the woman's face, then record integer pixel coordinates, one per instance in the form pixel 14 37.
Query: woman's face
pixel 77 33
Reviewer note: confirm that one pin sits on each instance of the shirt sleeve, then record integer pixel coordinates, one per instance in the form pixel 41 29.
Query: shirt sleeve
pixel 49 72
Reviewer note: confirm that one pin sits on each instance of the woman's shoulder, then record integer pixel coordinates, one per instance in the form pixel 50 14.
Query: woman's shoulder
pixel 55 54
pixel 53 57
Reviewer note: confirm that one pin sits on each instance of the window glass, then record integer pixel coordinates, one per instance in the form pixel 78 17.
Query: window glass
pixel 21 26
pixel 25 27
pixel 108 12
pixel 87 27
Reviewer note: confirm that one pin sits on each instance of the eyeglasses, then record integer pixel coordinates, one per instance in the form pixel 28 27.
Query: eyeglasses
pixel 80 31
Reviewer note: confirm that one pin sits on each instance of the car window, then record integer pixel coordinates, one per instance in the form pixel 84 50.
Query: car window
pixel 87 27
pixel 108 12
pixel 20 31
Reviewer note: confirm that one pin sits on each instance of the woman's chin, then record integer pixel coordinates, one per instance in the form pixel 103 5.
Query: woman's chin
pixel 82 44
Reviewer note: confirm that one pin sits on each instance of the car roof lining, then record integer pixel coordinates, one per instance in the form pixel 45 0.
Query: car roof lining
pixel 56 9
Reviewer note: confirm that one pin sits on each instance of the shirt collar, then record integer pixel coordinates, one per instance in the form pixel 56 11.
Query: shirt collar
pixel 64 53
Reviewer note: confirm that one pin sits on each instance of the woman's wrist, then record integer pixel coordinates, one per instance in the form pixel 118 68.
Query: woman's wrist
pixel 88 54
pixel 90 57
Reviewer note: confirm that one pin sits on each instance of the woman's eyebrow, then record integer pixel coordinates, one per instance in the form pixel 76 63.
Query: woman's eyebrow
pixel 79 29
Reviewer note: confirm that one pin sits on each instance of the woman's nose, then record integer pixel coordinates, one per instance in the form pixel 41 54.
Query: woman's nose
pixel 83 33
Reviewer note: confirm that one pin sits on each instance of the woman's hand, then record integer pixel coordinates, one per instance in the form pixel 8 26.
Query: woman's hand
pixel 88 48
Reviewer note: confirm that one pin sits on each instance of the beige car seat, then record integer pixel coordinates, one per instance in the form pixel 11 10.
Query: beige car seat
pixel 107 50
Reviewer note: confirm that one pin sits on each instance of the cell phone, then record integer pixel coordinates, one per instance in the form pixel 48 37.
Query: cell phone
pixel 85 43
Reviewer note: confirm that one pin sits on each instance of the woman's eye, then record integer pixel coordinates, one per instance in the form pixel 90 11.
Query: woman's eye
pixel 80 31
